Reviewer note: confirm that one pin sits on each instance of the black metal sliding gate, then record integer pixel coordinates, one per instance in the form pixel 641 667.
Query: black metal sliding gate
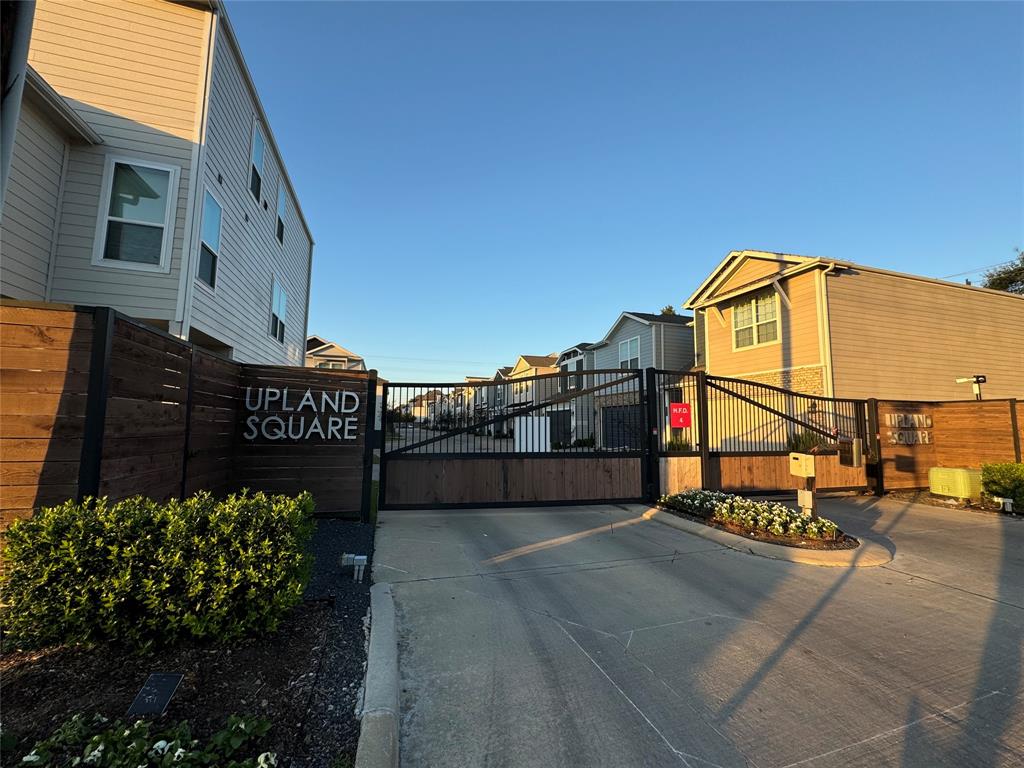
pixel 560 438
pixel 599 436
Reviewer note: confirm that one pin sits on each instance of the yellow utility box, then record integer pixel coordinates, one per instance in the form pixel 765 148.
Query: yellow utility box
pixel 955 482
pixel 801 464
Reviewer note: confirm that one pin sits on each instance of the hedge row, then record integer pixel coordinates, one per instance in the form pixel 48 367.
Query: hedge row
pixel 141 572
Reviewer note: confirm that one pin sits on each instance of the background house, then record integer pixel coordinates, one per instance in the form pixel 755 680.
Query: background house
pixel 574 419
pixel 636 340
pixel 829 327
pixel 321 353
pixel 150 181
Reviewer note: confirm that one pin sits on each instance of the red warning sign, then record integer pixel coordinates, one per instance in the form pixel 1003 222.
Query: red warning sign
pixel 679 415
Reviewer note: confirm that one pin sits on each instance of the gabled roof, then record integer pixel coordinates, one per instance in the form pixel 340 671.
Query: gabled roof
pixel 57 109
pixel 316 345
pixel 647 318
pixel 502 372
pixel 794 264
pixel 539 361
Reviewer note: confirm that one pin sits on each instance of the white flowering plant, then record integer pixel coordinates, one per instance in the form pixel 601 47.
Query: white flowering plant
pixel 95 741
pixel 757 516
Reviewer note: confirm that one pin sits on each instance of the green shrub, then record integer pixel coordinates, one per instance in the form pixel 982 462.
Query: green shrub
pixel 141 572
pixel 583 442
pixel 805 441
pixel 1005 481
pixel 95 742
pixel 760 516
pixel 678 444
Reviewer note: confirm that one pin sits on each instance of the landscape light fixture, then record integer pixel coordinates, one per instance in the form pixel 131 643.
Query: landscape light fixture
pixel 975 381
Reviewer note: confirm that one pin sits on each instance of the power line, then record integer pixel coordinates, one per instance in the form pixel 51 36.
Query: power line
pixel 975 271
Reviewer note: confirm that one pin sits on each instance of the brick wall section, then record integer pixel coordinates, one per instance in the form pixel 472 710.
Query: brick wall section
pixel 809 381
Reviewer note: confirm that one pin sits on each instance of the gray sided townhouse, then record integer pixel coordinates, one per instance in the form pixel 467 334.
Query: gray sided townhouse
pixel 144 176
pixel 636 340
pixel 574 420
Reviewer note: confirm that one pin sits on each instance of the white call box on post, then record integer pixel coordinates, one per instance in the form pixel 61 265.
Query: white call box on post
pixel 801 464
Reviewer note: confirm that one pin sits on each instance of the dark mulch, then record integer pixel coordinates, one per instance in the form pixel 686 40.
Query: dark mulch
pixel 305 678
pixel 843 541
pixel 947 502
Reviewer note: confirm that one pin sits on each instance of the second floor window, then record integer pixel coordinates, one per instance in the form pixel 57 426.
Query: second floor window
pixel 755 320
pixel 278 310
pixel 136 229
pixel 209 245
pixel 256 162
pixel 629 353
pixel 281 206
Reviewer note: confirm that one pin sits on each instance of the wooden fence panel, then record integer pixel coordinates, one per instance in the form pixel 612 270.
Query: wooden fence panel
pixel 433 481
pixel 270 459
pixel 44 377
pixel 213 423
pixel 144 432
pixel 948 434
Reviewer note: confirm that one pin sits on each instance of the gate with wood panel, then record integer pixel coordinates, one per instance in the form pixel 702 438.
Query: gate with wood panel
pixel 735 435
pixel 561 438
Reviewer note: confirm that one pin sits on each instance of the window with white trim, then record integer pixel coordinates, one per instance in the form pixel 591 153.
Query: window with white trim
pixel 282 205
pixel 209 240
pixel 629 353
pixel 278 310
pixel 137 215
pixel 755 320
pixel 256 153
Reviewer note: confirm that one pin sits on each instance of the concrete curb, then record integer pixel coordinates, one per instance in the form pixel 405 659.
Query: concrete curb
pixel 378 736
pixel 868 554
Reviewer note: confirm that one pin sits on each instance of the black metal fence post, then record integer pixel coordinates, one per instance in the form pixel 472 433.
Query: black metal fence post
pixel 702 430
pixel 653 443
pixel 877 465
pixel 369 443
pixel 1016 429
pixel 96 403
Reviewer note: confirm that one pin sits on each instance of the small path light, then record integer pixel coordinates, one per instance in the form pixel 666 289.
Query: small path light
pixel 357 563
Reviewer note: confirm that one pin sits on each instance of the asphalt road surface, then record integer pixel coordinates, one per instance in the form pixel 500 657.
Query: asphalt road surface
pixel 587 636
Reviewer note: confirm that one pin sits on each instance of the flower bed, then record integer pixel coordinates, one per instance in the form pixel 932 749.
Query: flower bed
pixel 763 520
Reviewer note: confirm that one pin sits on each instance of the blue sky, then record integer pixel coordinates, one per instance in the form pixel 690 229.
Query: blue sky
pixel 490 179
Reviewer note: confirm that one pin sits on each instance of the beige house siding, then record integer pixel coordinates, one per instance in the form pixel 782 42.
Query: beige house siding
pixel 132 69
pixel 798 346
pixel 238 312
pixel 897 337
pixel 31 205
pixel 752 269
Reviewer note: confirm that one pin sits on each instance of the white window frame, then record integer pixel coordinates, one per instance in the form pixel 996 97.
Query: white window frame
pixel 103 216
pixel 263 161
pixel 270 319
pixel 629 357
pixel 752 301
pixel 199 250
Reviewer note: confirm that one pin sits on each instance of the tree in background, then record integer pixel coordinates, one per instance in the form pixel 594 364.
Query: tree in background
pixel 668 309
pixel 1009 277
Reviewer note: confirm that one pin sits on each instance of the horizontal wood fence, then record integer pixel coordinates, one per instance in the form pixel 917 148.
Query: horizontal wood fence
pixel 95 403
pixel 915 436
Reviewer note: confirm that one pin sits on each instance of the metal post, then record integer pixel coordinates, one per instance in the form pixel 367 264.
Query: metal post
pixel 1016 430
pixel 96 403
pixel 369 442
pixel 383 475
pixel 702 429
pixel 653 432
pixel 876 447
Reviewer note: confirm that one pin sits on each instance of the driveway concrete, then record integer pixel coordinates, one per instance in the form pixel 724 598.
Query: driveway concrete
pixel 589 636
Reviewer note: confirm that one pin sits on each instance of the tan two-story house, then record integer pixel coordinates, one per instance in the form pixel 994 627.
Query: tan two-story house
pixel 144 176
pixel 830 327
